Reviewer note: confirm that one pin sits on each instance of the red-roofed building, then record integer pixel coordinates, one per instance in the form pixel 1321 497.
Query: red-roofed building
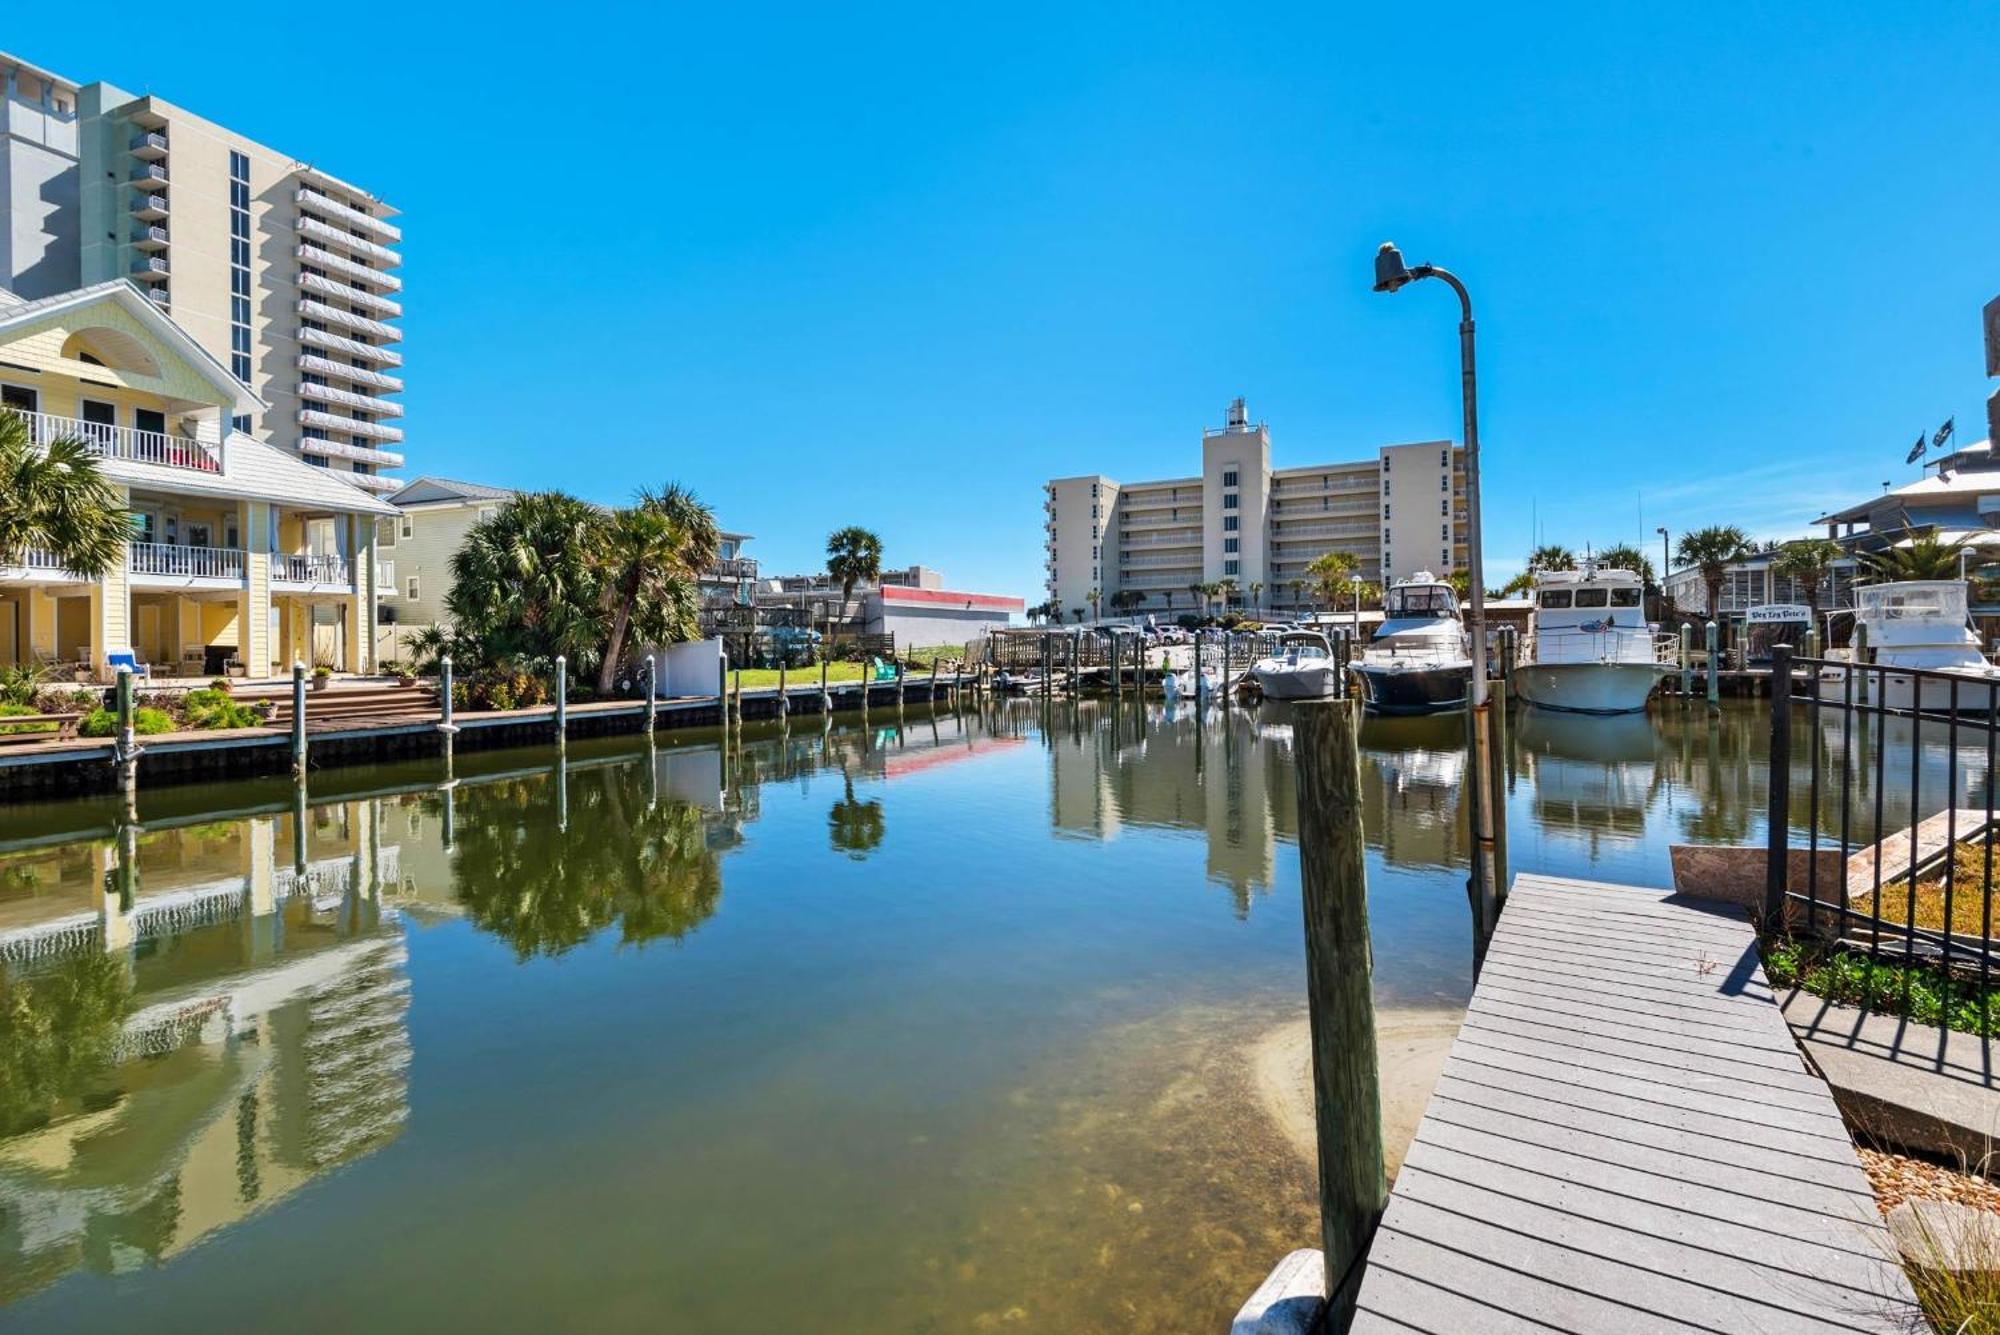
pixel 922 617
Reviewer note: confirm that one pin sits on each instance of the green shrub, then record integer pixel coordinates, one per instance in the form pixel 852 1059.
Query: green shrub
pixel 12 710
pixel 104 723
pixel 210 708
pixel 19 683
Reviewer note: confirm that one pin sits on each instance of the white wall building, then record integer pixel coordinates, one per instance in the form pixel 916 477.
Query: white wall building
pixel 1398 512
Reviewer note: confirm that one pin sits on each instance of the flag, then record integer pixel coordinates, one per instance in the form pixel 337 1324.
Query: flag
pixel 1943 432
pixel 1916 450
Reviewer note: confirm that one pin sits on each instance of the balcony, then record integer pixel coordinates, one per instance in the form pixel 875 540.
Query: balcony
pixel 353 426
pixel 124 442
pixel 347 241
pixel 149 268
pixel 340 264
pixel 372 482
pixel 348 292
pixel 317 365
pixel 360 324
pixel 367 403
pixel 148 174
pixel 326 338
pixel 149 145
pixel 161 558
pixel 340 449
pixel 157 294
pixel 329 207
pixel 328 569
pixel 39 562
pixel 149 207
pixel 149 236
pixel 731 570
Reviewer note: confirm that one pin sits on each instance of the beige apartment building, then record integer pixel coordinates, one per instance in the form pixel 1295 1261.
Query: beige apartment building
pixel 283 273
pixel 1240 519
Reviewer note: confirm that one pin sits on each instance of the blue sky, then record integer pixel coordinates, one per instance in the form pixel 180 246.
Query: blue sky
pixel 897 266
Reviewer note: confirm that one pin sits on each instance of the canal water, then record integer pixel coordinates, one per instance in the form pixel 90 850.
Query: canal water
pixel 957 1021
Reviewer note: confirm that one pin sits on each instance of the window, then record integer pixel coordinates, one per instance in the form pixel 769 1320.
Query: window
pixel 1385 486
pixel 1553 598
pixel 1444 532
pixel 1228 477
pixel 1444 483
pixel 410 588
pixel 1229 523
pixel 1593 597
pixel 240 423
pixel 239 266
pixel 385 533
pixel 1229 544
pixel 1230 568
pixel 1444 508
pixel 1624 597
pixel 1444 559
pixel 1385 512
pixel 1229 500
pixel 1444 458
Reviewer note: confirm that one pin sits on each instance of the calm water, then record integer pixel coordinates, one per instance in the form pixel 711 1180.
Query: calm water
pixel 929 1027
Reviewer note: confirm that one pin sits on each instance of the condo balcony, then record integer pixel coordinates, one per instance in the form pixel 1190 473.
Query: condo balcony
pixel 347 241
pixel 149 268
pixel 731 570
pixel 329 207
pixel 340 449
pixel 348 398
pixel 149 236
pixel 326 338
pixel 149 145
pixel 372 482
pixel 353 426
pixel 348 292
pixel 361 324
pixel 318 365
pixel 327 569
pixel 167 559
pixel 124 442
pixel 148 174
pixel 323 258
pixel 149 207
pixel 157 294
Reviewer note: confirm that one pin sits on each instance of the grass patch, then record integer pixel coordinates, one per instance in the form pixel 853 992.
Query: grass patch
pixel 755 679
pixel 1923 992
pixel 15 711
pixel 1971 910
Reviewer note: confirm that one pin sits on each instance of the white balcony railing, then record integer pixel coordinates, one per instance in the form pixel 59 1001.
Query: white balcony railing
pixel 340 449
pixel 343 291
pixel 318 365
pixel 328 206
pixel 319 310
pixel 372 482
pixel 313 227
pixel 340 264
pixel 326 338
pixel 124 442
pixel 160 558
pixel 150 206
pixel 348 398
pixel 34 558
pixel 352 425
pixel 329 569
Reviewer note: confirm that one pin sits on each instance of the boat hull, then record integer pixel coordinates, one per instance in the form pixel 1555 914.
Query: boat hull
pixel 1976 693
pixel 1433 690
pixel 1317 682
pixel 1587 688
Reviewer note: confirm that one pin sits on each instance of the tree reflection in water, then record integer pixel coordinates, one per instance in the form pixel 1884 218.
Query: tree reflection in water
pixel 545 886
pixel 59 1031
pixel 854 827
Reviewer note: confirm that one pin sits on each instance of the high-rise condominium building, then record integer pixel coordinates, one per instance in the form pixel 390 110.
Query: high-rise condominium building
pixel 283 273
pixel 1241 520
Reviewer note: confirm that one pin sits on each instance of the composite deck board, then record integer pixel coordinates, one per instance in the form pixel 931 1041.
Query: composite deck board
pixel 1625 1138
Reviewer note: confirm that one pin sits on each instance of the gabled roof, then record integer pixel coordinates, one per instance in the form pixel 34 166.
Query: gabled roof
pixel 127 296
pixel 435 490
pixel 1959 484
pixel 253 471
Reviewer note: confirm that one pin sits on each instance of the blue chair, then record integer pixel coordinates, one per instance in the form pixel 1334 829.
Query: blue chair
pixel 127 659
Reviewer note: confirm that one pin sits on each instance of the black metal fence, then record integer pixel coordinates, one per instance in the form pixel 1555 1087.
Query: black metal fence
pixel 1889 798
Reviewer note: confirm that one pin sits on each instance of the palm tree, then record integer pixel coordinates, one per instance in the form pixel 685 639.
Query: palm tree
pixel 1094 598
pixel 1168 596
pixel 1199 591
pixel 1712 549
pixel 853 556
pixel 1624 556
pixel 1256 594
pixel 854 828
pixel 1923 558
pixel 1809 563
pixel 54 499
pixel 1551 557
pixel 1298 592
pixel 1331 572
pixel 1521 583
pixel 1079 614
pixel 653 554
pixel 523 582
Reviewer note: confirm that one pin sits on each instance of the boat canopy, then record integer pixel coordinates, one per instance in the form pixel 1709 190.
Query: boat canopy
pixel 1910 600
pixel 1423 596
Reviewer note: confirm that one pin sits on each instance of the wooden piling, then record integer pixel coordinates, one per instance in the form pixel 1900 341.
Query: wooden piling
pixel 298 717
pixel 1347 1100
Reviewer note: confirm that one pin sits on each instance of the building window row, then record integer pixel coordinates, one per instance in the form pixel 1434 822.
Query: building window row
pixel 239 272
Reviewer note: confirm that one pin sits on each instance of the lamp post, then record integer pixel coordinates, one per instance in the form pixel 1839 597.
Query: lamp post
pixel 1666 559
pixel 1390 275
pixel 1965 554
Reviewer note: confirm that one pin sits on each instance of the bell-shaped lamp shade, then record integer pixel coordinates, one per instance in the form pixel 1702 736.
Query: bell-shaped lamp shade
pixel 1390 273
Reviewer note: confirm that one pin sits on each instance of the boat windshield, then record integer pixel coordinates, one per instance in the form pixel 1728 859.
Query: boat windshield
pixel 1911 602
pixel 1420 600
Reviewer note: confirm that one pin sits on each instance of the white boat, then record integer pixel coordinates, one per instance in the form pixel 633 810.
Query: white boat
pixel 1417 663
pixel 1589 649
pixel 1302 669
pixel 1919 624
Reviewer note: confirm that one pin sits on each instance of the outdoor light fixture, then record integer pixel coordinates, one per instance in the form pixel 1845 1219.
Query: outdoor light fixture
pixel 1390 273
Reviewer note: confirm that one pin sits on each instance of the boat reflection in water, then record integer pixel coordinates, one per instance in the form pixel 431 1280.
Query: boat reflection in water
pixel 1590 774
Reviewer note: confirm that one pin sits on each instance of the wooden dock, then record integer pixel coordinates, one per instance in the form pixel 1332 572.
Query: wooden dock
pixel 1625 1138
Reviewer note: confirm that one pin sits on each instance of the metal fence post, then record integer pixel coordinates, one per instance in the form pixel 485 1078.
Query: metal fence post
pixel 1776 871
pixel 298 717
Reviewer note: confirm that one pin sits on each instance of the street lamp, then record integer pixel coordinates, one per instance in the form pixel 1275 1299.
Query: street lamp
pixel 1964 554
pixel 1392 274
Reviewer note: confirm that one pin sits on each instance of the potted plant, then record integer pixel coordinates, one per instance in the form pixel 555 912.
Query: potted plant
pixel 321 673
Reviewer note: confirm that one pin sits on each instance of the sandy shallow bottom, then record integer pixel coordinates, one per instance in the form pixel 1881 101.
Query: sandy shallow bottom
pixel 1410 1047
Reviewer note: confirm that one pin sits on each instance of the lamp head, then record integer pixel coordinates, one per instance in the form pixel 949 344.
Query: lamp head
pixel 1390 272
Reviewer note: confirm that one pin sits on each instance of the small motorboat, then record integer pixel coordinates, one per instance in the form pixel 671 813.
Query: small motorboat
pixel 1417 663
pixel 1304 668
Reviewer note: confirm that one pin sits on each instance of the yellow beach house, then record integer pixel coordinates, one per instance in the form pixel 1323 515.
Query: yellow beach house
pixel 243 558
